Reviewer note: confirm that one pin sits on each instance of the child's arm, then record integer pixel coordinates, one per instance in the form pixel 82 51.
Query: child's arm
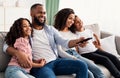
pixel 97 39
pixel 97 42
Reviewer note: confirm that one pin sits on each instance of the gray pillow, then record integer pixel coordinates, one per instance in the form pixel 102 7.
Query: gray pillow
pixel 4 58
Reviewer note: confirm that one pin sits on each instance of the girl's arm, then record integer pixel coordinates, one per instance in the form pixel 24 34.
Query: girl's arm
pixel 38 63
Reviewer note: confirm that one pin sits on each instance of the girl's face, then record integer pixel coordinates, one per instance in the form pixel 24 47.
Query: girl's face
pixel 78 23
pixel 70 20
pixel 26 28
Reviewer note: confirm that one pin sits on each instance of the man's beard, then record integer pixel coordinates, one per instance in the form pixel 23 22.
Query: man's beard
pixel 38 22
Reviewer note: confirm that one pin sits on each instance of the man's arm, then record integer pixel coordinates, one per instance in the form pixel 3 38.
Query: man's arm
pixel 21 56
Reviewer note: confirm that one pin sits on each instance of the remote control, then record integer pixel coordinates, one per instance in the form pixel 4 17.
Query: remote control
pixel 85 40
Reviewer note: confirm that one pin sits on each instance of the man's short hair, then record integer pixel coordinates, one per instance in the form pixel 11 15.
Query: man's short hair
pixel 35 5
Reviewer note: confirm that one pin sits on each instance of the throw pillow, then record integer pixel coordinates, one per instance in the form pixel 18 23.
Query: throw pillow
pixel 108 45
pixel 95 28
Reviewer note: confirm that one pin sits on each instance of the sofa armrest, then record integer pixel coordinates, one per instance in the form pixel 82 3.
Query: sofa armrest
pixel 117 39
pixel 105 34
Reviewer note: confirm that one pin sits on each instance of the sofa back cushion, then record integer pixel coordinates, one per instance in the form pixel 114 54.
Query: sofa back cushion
pixel 107 43
pixel 4 58
pixel 95 28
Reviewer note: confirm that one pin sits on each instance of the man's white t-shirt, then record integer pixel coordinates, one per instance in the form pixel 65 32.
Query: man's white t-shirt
pixel 41 47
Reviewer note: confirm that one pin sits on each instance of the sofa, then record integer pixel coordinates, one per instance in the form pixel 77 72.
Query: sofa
pixel 105 38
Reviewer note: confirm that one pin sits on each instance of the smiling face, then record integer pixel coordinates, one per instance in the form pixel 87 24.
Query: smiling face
pixel 26 28
pixel 38 15
pixel 78 23
pixel 70 20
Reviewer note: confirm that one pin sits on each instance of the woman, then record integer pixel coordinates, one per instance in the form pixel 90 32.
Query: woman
pixel 93 50
pixel 63 21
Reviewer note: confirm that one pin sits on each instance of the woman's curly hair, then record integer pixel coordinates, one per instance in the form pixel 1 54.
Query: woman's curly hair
pixel 16 31
pixel 61 18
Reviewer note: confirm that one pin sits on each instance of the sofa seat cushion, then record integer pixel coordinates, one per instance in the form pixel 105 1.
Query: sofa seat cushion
pixel 66 76
pixel 2 75
pixel 105 71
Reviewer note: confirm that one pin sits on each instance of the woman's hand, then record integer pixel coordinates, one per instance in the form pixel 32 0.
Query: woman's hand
pixel 82 44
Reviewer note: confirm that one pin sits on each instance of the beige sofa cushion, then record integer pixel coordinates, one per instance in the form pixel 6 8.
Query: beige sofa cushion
pixel 4 58
pixel 95 28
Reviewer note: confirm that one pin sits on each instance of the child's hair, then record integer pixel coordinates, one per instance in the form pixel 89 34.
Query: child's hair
pixel 16 31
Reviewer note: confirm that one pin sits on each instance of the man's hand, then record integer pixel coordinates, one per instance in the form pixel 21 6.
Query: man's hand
pixel 42 62
pixel 39 63
pixel 23 60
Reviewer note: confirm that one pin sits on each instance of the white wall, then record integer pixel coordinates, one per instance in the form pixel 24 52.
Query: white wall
pixel 26 3
pixel 104 12
pixel 10 10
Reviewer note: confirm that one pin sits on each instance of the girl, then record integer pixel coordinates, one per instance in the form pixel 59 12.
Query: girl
pixel 19 38
pixel 93 50
pixel 63 21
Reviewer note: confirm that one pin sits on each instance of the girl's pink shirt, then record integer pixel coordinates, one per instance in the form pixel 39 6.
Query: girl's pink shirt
pixel 22 45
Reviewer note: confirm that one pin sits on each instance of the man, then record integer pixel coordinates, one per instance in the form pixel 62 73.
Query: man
pixel 45 39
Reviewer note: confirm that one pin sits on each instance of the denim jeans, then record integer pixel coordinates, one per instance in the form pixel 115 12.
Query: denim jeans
pixel 61 66
pixel 91 66
pixel 16 72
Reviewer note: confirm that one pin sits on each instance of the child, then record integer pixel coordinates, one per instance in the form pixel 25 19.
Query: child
pixel 93 50
pixel 19 38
